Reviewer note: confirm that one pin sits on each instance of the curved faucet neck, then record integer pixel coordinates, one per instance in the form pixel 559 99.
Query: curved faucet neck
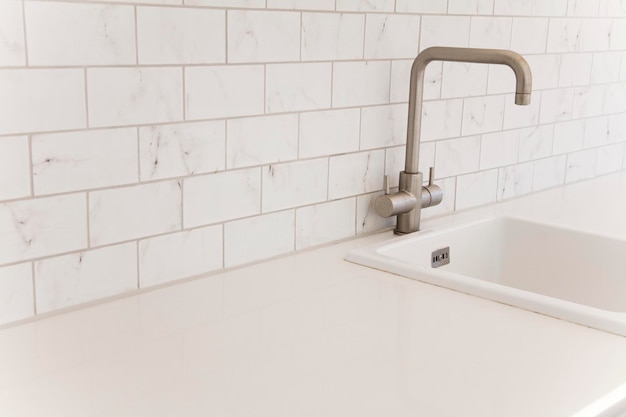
pixel 471 55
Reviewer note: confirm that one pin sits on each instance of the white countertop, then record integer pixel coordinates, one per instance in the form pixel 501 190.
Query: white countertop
pixel 313 335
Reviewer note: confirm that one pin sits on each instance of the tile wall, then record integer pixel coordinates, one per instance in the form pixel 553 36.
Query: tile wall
pixel 145 141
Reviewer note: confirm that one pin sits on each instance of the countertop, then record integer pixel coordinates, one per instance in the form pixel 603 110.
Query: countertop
pixel 313 335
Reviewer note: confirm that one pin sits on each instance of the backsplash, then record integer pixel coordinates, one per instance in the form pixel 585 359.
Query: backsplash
pixel 147 141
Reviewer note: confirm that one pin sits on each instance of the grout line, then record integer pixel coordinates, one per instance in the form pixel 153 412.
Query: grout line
pixel 24 34
pixel 34 286
pixel 86 88
pixel 31 171
pixel 136 33
pixel 137 265
pixel 226 36
pixel 87 218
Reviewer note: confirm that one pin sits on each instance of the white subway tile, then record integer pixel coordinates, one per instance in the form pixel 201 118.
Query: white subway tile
pixel 549 8
pixel 515 180
pixel 617 127
pixel 361 83
pixel 476 189
pixel 253 4
pixel 14 168
pixel 157 2
pixel 499 149
pixel 325 222
pixel 444 31
pixel 16 293
pixel 365 5
pixel 261 140
pixel 575 69
pixel 223 196
pixel 179 255
pixel 294 87
pixel 367 220
pixel 41 227
pixel 82 160
pixel 12 46
pixel 457 156
pixel 579 35
pixel 301 4
pixel 535 142
pixel 263 36
pixel 581 165
pixel 357 173
pixel 586 8
pixel 597 132
pixel 521 116
pixel 612 8
pixel 78 278
pixel 224 91
pixel 177 150
pixel 461 79
pixel 132 212
pixel 167 35
pixel 441 119
pixel 549 172
pixel 383 126
pixel 258 238
pixel 568 136
pixel 294 184
pixel 556 105
pixel 609 159
pixel 80 34
pixel 36 100
pixel 391 36
pixel 124 96
pixel 605 67
pixel 501 79
pixel 529 35
pixel 588 101
pixel 514 7
pixel 470 6
pixel 422 6
pixel 615 98
pixel 329 132
pixel 545 70
pixel 618 34
pixel 490 32
pixel 332 36
pixel 482 114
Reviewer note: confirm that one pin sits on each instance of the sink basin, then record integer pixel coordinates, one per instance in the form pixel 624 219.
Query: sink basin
pixel 560 272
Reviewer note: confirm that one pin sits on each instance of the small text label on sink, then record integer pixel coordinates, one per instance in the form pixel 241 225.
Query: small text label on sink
pixel 440 257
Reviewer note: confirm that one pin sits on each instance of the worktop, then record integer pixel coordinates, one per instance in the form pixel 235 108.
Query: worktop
pixel 313 335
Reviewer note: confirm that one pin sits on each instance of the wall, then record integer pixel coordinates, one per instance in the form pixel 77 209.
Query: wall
pixel 146 141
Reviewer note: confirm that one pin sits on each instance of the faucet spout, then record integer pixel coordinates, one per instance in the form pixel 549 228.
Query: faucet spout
pixel 515 61
pixel 412 196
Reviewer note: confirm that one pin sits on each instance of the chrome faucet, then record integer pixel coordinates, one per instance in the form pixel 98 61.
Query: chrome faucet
pixel 412 196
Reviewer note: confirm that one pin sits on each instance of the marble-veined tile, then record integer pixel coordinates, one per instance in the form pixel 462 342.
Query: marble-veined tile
pixel 180 36
pixel 391 36
pixel 605 67
pixel 124 96
pixel 498 149
pixel 367 220
pixel 301 4
pixel 179 255
pixel 575 69
pixel 223 196
pixel 581 165
pixel 325 222
pixel 549 172
pixel 14 167
pixel 297 86
pixel 516 116
pixel 224 91
pixel 182 149
pixel 261 140
pixel 30 100
pixel 259 237
pixel 535 142
pixel 515 180
pixel 481 7
pixel 329 132
pixel 568 136
pixel 422 6
pixel 263 36
pixel 294 184
pixel 556 105
pixel 361 83
pixel 42 226
pixel 457 156
pixel 444 31
pixel 332 36
pixel 383 126
pixel 127 213
pixel 482 114
pixel 82 160
pixel 521 40
pixel 588 101
pixel 254 4
pixel 609 159
pixel 16 293
pixel 460 79
pixel 490 32
pixel 80 34
pixel 12 45
pixel 356 173
pixel 366 5
pixel 81 277
pixel 441 119
pixel 476 189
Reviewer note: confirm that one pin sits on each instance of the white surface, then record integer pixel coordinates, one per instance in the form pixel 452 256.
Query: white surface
pixel 313 335
pixel 555 271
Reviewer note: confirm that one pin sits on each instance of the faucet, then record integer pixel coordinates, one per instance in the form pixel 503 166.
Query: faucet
pixel 412 196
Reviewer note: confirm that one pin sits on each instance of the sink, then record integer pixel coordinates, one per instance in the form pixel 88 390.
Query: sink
pixel 553 270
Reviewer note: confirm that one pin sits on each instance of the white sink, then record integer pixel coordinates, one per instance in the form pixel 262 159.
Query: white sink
pixel 564 273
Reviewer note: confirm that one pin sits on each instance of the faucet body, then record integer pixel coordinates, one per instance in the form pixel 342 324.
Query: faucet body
pixel 411 197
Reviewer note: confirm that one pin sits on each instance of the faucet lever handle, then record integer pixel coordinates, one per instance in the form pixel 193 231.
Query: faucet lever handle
pixel 386 184
pixel 431 176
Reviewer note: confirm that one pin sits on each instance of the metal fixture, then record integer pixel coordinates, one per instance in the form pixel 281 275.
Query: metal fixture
pixel 411 197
